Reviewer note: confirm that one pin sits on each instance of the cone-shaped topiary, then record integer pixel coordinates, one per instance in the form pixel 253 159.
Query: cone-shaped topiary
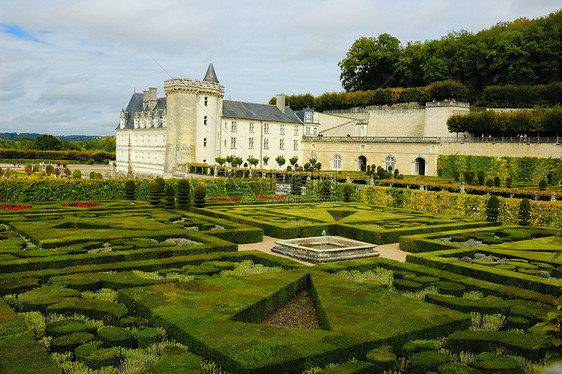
pixel 497 182
pixel 169 202
pixel 153 193
pixel 182 196
pixel 525 212
pixel 481 177
pixel 161 185
pixel 542 185
pixel 326 189
pixel 492 209
pixel 130 190
pixel 347 192
pixel 296 182
pixel 199 196
pixel 490 182
pixel 508 182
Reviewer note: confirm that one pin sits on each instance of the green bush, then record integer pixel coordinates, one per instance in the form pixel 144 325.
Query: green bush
pixel 176 360
pixel 497 182
pixel 383 358
pixel 347 192
pixel 492 209
pixel 199 196
pixel 456 175
pixel 161 186
pixel 154 191
pixel 83 351
pixel 41 298
pixel 69 342
pixel 508 182
pixel 416 346
pixel 496 363
pixel 451 368
pixel 422 362
pixel 451 288
pixel 406 285
pixel 481 177
pixel 96 309
pixel 102 357
pixel 170 202
pixel 68 326
pixel 542 185
pixel 487 305
pixel 326 189
pixel 182 196
pixel 352 367
pixel 130 190
pixel 147 336
pixel 485 341
pixel 115 337
pixel 76 174
pixel 514 322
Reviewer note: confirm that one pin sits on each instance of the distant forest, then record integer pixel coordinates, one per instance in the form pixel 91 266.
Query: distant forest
pixel 519 53
pixel 33 136
pixel 45 142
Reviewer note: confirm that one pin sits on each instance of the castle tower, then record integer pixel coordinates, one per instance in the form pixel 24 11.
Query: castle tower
pixel 194 109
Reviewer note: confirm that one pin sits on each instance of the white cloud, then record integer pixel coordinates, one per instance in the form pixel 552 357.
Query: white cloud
pixel 82 59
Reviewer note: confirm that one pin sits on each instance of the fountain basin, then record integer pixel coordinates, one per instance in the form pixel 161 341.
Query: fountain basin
pixel 320 249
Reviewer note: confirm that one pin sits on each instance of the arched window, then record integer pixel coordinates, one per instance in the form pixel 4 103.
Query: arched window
pixel 337 162
pixel 389 163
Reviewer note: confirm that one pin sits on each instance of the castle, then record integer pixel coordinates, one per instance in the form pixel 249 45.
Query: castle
pixel 194 124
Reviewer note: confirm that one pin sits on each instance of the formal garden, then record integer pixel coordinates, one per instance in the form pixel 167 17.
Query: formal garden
pixel 147 276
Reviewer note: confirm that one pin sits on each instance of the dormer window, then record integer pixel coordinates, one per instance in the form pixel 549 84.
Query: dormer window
pixel 308 117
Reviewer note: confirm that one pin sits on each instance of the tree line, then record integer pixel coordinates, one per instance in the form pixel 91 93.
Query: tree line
pixel 46 142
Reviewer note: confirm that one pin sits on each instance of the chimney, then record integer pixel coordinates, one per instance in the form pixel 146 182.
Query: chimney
pixel 281 102
pixel 149 99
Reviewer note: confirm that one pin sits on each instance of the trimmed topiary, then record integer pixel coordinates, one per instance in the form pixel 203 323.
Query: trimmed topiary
pixel 508 182
pixel 468 177
pixel 422 362
pixel 102 357
pixel 383 358
pixel 490 182
pixel 147 336
pixel 296 181
pixel 426 280
pixel 83 351
pixel 161 185
pixel 416 346
pixel 130 190
pixel 406 285
pixel 41 298
pixel 182 196
pixel 492 209
pixel 481 177
pixel 456 175
pixel 347 192
pixel 169 202
pixel 497 182
pixel 133 322
pixel 326 189
pixel 154 193
pixel 525 212
pixel 542 185
pixel 115 337
pixel 496 363
pixel 68 326
pixel 451 288
pixel 514 322
pixel 96 309
pixel 70 342
pixel 176 360
pixel 199 196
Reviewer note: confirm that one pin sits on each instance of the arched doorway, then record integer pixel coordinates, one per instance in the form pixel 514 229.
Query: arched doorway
pixel 362 161
pixel 419 166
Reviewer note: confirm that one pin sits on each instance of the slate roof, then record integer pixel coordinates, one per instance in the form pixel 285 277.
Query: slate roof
pixel 135 105
pixel 211 76
pixel 301 113
pixel 258 112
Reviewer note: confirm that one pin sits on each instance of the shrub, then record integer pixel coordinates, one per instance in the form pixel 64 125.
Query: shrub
pixel 514 322
pixel 102 357
pixel 182 196
pixel 416 346
pixel 76 174
pixel 422 362
pixel 147 336
pixel 347 192
pixel 525 212
pixel 154 193
pixel 296 182
pixel 199 196
pixel 115 337
pixel 497 182
pixel 170 202
pixel 326 189
pixel 542 185
pixel 176 360
pixel 83 351
pixel 456 175
pixel 508 182
pixel 485 341
pixel 68 326
pixel 161 185
pixel 496 363
pixel 451 288
pixel 383 358
pixel 96 309
pixel 457 369
pixel 69 342
pixel 406 285
pixel 481 177
pixel 490 182
pixel 130 190
pixel 492 209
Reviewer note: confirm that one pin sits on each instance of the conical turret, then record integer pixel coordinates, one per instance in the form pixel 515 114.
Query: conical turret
pixel 211 76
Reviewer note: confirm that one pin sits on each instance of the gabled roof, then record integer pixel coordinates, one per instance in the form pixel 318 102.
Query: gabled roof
pixel 211 76
pixel 135 105
pixel 301 113
pixel 258 112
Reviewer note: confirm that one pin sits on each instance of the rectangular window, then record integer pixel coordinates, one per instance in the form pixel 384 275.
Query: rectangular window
pixel 251 128
pixel 206 101
pixel 251 143
pixel 204 142
pixel 232 143
pixel 266 128
pixel 296 145
pixel 282 129
pixel 234 127
pixel 205 120
pixel 265 143
pixel 225 125
pixel 281 143
pixel 296 130
pixel 307 131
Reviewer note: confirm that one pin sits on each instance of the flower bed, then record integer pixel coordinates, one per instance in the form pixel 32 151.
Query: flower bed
pixel 14 207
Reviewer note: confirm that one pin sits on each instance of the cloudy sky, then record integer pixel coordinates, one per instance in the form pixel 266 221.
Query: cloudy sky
pixel 68 67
